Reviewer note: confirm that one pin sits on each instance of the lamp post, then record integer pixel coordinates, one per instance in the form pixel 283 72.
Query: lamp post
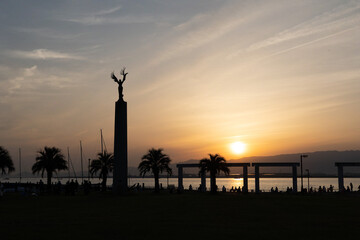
pixel 308 175
pixel 301 169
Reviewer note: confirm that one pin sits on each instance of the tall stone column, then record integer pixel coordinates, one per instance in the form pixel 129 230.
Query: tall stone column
pixel 120 178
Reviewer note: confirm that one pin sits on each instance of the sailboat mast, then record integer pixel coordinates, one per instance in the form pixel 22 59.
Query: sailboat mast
pixel 82 169
pixel 68 153
pixel 72 165
pixel 102 142
pixel 20 164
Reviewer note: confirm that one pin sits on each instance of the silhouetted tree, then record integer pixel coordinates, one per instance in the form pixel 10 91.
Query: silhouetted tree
pixel 104 164
pixel 50 160
pixel 156 162
pixel 5 161
pixel 215 164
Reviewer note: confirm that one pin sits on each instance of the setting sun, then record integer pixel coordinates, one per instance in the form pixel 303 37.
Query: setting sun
pixel 238 147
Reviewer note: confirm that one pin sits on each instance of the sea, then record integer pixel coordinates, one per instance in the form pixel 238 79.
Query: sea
pixel 265 183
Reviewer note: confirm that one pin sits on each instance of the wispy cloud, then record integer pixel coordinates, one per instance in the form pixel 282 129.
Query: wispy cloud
pixel 30 79
pixel 43 54
pixel 342 17
pixel 49 33
pixel 28 72
pixel 106 17
pixel 198 31
pixel 108 11
pixel 99 20
pixel 307 43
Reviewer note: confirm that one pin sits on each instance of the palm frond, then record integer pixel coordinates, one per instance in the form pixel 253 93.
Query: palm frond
pixel 215 163
pixel 5 161
pixel 102 165
pixel 50 159
pixel 154 161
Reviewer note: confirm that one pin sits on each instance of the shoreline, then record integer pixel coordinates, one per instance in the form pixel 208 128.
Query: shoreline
pixel 175 177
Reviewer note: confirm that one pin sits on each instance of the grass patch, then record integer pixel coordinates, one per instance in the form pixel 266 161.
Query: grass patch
pixel 180 216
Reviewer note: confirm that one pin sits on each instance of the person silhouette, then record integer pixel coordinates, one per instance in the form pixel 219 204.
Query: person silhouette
pixel 41 186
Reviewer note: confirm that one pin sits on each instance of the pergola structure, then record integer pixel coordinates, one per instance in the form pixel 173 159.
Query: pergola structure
pixel 203 175
pixel 340 166
pixel 245 172
pixel 180 175
pixel 257 166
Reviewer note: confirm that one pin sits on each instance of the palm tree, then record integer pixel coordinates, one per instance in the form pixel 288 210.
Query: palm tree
pixel 5 161
pixel 104 164
pixel 215 164
pixel 50 160
pixel 156 162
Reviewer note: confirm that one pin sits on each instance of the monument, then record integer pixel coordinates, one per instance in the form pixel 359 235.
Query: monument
pixel 120 139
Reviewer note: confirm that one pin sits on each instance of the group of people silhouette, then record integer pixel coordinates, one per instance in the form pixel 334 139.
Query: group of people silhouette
pixel 275 189
pixel 71 187
pixel 235 189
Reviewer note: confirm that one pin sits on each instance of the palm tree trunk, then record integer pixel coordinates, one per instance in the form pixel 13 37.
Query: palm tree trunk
pixel 156 177
pixel 103 183
pixel 49 176
pixel 213 182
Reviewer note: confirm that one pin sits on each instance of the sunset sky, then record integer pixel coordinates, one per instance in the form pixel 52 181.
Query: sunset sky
pixel 279 76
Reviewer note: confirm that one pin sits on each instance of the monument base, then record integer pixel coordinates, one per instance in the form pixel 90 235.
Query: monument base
pixel 120 178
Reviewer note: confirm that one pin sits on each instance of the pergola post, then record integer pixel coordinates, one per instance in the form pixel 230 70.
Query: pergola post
pixel 203 174
pixel 294 172
pixel 340 166
pixel 203 181
pixel 341 178
pixel 275 164
pixel 257 180
pixel 245 177
pixel 180 179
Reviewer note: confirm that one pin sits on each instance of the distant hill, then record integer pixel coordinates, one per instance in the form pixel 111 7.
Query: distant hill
pixel 321 163
pixel 317 162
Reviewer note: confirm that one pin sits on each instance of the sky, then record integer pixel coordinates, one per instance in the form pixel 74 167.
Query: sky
pixel 279 76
